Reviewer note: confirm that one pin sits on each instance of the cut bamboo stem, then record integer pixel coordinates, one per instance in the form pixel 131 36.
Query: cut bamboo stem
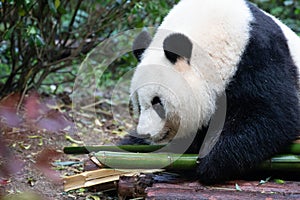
pixel 99 177
pixel 146 160
pixel 294 148
pixel 181 162
pixel 130 148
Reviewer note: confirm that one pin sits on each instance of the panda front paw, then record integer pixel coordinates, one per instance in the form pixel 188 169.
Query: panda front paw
pixel 209 172
pixel 131 139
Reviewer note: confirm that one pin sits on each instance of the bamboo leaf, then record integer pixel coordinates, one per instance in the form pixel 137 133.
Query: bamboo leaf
pixel 67 163
pixel 279 181
pixel 73 140
pixel 264 181
pixel 237 187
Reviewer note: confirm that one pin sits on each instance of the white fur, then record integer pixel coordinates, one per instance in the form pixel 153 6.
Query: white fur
pixel 219 30
pixel 150 122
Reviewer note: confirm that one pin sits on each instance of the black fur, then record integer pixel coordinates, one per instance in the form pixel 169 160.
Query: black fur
pixel 158 107
pixel 263 113
pixel 177 46
pixel 141 43
pixel 132 139
pixel 263 108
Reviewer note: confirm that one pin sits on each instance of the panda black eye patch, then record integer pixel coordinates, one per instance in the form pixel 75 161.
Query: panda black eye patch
pixel 158 107
pixel 156 100
pixel 177 46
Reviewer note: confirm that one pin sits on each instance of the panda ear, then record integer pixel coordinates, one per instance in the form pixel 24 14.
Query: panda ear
pixel 141 42
pixel 177 46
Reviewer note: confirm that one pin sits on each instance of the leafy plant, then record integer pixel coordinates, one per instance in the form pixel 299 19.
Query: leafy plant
pixel 43 41
pixel 288 11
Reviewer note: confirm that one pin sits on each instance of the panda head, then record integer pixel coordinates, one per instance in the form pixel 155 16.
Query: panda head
pixel 166 89
pixel 187 66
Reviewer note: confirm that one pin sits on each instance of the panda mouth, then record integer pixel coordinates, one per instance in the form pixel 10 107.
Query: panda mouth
pixel 164 137
pixel 169 131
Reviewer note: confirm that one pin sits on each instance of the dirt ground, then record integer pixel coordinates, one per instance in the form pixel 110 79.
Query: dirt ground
pixel 37 161
pixel 32 137
pixel 32 158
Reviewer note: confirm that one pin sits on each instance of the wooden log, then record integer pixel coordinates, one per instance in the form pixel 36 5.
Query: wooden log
pixel 179 193
pixel 134 186
pixel 148 187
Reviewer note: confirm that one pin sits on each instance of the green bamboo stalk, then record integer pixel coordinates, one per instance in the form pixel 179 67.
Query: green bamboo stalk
pixel 292 149
pixel 123 160
pixel 130 148
pixel 282 162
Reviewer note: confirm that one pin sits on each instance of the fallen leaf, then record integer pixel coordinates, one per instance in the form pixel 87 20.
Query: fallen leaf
pixel 237 187
pixel 69 138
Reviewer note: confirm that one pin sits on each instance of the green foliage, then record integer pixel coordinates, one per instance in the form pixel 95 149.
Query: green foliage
pixel 42 42
pixel 288 11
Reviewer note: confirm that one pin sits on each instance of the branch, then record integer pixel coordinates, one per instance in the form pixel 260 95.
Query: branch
pixel 72 22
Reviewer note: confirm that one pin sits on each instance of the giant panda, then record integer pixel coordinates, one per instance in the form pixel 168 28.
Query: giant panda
pixel 207 50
